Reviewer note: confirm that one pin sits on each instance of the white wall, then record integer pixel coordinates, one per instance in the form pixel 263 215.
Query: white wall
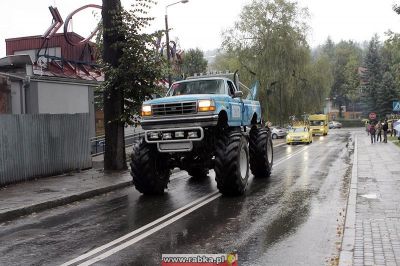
pixel 56 98
pixel 16 98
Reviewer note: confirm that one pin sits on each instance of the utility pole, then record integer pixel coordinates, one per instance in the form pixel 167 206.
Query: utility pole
pixel 280 106
pixel 167 39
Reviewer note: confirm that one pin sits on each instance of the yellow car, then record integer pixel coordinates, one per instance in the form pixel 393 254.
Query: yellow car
pixel 299 134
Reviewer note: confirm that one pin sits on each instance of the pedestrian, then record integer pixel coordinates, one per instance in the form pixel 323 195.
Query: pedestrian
pixel 392 132
pixel 367 125
pixel 378 129
pixel 385 127
pixel 372 132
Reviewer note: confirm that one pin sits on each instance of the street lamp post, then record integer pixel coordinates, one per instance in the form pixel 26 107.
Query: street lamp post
pixel 167 38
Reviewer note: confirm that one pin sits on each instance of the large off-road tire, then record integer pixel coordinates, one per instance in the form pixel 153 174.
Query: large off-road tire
pixel 261 152
pixel 198 172
pixel 149 168
pixel 231 163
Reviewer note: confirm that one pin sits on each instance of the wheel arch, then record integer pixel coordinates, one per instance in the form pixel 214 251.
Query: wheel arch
pixel 222 118
pixel 254 119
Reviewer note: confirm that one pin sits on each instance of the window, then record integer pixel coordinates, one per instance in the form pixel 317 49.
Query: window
pixel 231 88
pixel 317 122
pixel 298 129
pixel 205 86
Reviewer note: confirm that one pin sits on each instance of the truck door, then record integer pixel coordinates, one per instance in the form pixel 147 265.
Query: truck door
pixel 235 107
pixel 251 106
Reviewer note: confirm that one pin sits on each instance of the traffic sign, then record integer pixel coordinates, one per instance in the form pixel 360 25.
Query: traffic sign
pixel 396 106
pixel 372 116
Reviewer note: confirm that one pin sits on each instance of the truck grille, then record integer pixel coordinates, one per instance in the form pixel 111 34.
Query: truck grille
pixel 174 108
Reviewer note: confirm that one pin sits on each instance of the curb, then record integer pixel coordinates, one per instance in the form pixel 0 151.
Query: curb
pixel 348 241
pixel 12 214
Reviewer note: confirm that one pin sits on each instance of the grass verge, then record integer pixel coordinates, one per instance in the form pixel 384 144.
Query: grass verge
pixel 395 140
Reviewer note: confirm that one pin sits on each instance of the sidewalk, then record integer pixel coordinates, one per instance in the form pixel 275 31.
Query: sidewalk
pixel 372 228
pixel 44 193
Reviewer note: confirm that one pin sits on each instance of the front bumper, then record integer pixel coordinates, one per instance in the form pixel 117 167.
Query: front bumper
pixel 181 143
pixel 297 141
pixel 179 121
pixel 315 132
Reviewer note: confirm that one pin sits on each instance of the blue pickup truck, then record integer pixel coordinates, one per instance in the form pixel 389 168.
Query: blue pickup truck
pixel 203 123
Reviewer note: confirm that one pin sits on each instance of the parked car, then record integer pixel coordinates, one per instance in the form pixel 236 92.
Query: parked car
pixel 335 124
pixel 278 132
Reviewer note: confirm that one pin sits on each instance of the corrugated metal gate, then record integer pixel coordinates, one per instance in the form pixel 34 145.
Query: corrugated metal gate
pixel 42 145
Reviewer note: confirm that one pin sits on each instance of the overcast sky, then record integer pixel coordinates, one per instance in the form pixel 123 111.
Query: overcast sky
pixel 199 23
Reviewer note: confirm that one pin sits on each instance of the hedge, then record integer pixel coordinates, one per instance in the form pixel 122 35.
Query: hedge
pixel 351 122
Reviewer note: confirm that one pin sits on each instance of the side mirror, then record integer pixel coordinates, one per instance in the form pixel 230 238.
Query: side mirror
pixel 238 94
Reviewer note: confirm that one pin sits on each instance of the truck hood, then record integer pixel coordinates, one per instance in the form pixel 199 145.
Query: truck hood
pixel 184 98
pixel 300 134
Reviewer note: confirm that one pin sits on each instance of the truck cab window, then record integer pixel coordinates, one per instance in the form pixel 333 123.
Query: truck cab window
pixel 231 88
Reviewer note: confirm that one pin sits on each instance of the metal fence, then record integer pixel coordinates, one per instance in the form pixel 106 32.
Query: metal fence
pixel 42 145
pixel 97 144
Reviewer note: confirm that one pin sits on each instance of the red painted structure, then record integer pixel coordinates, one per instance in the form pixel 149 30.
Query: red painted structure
pixel 68 52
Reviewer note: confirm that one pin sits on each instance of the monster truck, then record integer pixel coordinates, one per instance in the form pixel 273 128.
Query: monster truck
pixel 203 123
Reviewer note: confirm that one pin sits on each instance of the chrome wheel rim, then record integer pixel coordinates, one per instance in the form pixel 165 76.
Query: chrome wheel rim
pixel 243 163
pixel 269 152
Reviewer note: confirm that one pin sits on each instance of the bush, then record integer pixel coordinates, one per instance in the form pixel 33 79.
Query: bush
pixel 351 123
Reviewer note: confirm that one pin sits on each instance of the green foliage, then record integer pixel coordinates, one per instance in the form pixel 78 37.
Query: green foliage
pixel 140 67
pixel 351 122
pixel 194 62
pixel 382 74
pixel 373 75
pixel 225 61
pixel 347 58
pixel 391 57
pixel 268 43
pixel 386 95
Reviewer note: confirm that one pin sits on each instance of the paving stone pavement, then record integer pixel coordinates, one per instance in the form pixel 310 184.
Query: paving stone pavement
pixel 377 208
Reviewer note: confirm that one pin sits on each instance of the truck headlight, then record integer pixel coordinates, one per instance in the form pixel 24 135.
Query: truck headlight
pixel 146 110
pixel 153 135
pixel 193 135
pixel 206 105
pixel 179 134
pixel 167 135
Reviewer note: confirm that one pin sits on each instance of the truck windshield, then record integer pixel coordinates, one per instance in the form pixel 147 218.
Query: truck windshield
pixel 298 129
pixel 197 87
pixel 317 122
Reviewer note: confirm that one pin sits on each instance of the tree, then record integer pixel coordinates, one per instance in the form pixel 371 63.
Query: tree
pixel 225 61
pixel 373 74
pixel 391 57
pixel 387 95
pixel 329 49
pixel 269 42
pixel 194 62
pixel 114 155
pixel 347 59
pixel 132 68
pixel 352 80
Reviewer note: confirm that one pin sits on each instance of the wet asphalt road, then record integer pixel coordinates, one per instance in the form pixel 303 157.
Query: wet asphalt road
pixel 293 218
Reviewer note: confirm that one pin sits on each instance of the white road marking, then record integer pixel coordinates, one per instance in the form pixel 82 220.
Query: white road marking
pixel 180 213
pixel 290 156
pixel 118 240
pixel 280 145
pixel 146 234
